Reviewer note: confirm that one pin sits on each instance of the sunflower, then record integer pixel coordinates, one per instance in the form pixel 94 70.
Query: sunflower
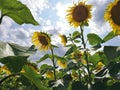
pixel 4 69
pixel 41 40
pixel 63 39
pixel 112 15
pixel 77 56
pixel 49 75
pixel 74 75
pixel 79 14
pixel 62 64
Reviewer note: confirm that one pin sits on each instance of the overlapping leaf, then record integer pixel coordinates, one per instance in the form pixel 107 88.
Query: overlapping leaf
pixel 19 12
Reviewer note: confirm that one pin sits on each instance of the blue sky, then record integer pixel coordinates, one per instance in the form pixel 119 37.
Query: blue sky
pixel 51 16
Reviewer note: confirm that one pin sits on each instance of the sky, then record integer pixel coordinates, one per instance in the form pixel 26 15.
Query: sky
pixel 50 14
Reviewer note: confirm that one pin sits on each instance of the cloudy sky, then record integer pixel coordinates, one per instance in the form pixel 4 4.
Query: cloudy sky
pixel 51 16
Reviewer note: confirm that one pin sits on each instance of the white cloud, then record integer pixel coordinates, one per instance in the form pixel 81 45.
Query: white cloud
pixel 36 6
pixel 97 24
pixel 61 10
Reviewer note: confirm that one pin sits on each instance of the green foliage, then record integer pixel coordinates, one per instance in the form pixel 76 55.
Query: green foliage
pixel 77 85
pixel 34 77
pixel 112 52
pixel 94 39
pixel 14 63
pixel 76 34
pixel 44 68
pixel 70 50
pixel 17 11
pixel 44 58
pixel 99 56
pixel 109 36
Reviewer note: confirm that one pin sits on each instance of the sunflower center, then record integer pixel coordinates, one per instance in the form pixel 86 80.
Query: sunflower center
pixel 115 13
pixel 80 13
pixel 43 40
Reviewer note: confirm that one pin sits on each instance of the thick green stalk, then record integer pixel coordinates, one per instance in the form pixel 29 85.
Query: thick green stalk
pixel 54 66
pixel 86 57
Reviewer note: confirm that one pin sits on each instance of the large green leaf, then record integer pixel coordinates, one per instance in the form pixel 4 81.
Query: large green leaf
pixel 98 56
pixel 94 39
pixel 99 86
pixel 115 86
pixel 11 49
pixel 76 34
pixel 70 50
pixel 114 69
pixel 109 36
pixel 19 12
pixel 14 63
pixel 45 67
pixel 112 52
pixel 77 85
pixel 34 78
pixel 46 56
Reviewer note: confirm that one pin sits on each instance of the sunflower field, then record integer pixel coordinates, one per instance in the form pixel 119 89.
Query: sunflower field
pixel 86 64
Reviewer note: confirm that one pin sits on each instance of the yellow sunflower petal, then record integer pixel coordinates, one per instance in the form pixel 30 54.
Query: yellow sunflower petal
pixel 49 75
pixel 41 40
pixel 63 39
pixel 78 14
pixel 62 64
pixel 112 15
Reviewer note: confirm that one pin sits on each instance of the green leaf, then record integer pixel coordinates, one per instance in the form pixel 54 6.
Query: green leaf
pixel 46 56
pixel 76 34
pixel 70 50
pixel 112 52
pixel 94 39
pixel 99 86
pixel 66 83
pixel 59 58
pixel 98 56
pixel 114 69
pixel 11 49
pixel 19 12
pixel 44 68
pixel 34 78
pixel 14 63
pixel 96 47
pixel 115 86
pixel 109 36
pixel 77 85
pixel 76 41
pixel 54 46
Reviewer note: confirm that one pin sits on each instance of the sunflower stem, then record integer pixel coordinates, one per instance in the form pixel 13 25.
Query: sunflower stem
pixel 86 58
pixel 54 67
pixel 1 18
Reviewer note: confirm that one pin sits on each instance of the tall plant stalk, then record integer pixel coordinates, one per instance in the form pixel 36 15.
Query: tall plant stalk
pixel 86 58
pixel 54 66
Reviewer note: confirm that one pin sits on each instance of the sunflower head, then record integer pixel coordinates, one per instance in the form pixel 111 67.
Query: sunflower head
pixel 5 70
pixel 63 39
pixel 112 15
pixel 62 63
pixel 74 75
pixel 79 14
pixel 49 75
pixel 77 56
pixel 41 40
